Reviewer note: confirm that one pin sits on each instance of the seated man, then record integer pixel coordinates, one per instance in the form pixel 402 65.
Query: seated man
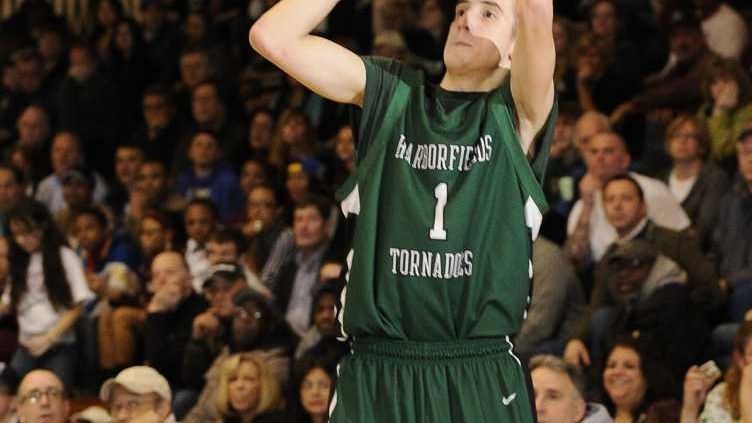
pixel 321 339
pixel 212 329
pixel 589 231
pixel 294 285
pixel 170 315
pixel 560 393
pixel 42 398
pixel 733 240
pixel 138 394
pixel 625 209
pixel 647 292
pixel 226 245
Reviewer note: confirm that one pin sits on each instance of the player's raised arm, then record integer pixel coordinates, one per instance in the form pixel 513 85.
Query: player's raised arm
pixel 533 60
pixel 283 36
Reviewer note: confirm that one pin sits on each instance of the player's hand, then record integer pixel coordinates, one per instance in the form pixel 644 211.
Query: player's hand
pixel 696 387
pixel 205 325
pixel 576 353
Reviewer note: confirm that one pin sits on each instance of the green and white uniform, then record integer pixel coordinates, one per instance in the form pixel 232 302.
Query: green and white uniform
pixel 447 206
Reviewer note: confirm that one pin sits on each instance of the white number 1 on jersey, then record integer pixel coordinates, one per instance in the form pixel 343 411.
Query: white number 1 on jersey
pixel 438 232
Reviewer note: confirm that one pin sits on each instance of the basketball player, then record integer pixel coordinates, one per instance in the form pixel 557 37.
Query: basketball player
pixel 447 205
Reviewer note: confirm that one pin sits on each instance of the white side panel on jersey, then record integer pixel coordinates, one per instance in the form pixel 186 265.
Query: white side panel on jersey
pixel 343 297
pixel 333 404
pixel 351 203
pixel 533 217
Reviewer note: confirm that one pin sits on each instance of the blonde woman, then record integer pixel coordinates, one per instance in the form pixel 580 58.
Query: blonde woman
pixel 248 391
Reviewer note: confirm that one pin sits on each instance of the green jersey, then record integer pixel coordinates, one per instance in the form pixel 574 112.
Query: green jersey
pixel 447 206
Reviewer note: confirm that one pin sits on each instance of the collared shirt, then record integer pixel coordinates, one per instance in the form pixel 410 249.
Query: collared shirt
pixel 663 209
pixel 301 299
pixel 198 263
pixel 634 232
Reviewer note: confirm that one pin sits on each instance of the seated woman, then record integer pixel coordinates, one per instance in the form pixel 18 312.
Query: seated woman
pixel 313 386
pixel 727 108
pixel 633 380
pixel 247 392
pixel 696 183
pixel 724 402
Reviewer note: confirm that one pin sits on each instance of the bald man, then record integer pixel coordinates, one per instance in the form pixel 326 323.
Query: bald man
pixel 42 398
pixel 170 316
pixel 589 231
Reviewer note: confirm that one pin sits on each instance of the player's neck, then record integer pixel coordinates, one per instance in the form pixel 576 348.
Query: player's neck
pixel 473 81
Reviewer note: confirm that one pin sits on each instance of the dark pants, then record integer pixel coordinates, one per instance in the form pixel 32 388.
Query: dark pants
pixel 60 359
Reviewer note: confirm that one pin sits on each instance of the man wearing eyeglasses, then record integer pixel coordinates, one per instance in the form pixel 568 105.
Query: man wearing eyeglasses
pixel 625 208
pixel 138 394
pixel 42 398
pixel 644 292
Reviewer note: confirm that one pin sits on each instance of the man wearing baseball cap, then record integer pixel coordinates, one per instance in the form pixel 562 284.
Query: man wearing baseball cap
pixel 138 394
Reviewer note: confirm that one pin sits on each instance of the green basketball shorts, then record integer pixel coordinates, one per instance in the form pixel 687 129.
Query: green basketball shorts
pixel 474 381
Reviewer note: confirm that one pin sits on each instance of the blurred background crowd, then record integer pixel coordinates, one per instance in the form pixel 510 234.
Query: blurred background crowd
pixel 168 199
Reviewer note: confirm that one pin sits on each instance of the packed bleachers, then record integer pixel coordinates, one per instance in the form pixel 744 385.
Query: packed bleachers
pixel 167 198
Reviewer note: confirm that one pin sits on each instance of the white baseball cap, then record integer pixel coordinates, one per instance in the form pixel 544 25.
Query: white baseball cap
pixel 139 380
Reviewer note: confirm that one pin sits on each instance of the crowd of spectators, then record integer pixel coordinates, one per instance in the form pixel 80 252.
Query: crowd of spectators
pixel 170 241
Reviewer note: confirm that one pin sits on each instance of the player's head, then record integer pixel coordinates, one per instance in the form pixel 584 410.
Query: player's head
pixel 481 36
pixel 558 388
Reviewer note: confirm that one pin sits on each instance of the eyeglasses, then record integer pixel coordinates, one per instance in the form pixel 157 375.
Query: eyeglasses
pixel 35 396
pixel 244 314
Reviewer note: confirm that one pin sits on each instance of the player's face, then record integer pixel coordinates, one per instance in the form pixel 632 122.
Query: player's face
pixel 556 398
pixel 623 205
pixel 309 227
pixel 481 35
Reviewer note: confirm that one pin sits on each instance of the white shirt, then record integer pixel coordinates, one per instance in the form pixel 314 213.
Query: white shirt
pixel 50 192
pixel 663 209
pixel 36 314
pixel 198 264
pixel 725 32
pixel 680 188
